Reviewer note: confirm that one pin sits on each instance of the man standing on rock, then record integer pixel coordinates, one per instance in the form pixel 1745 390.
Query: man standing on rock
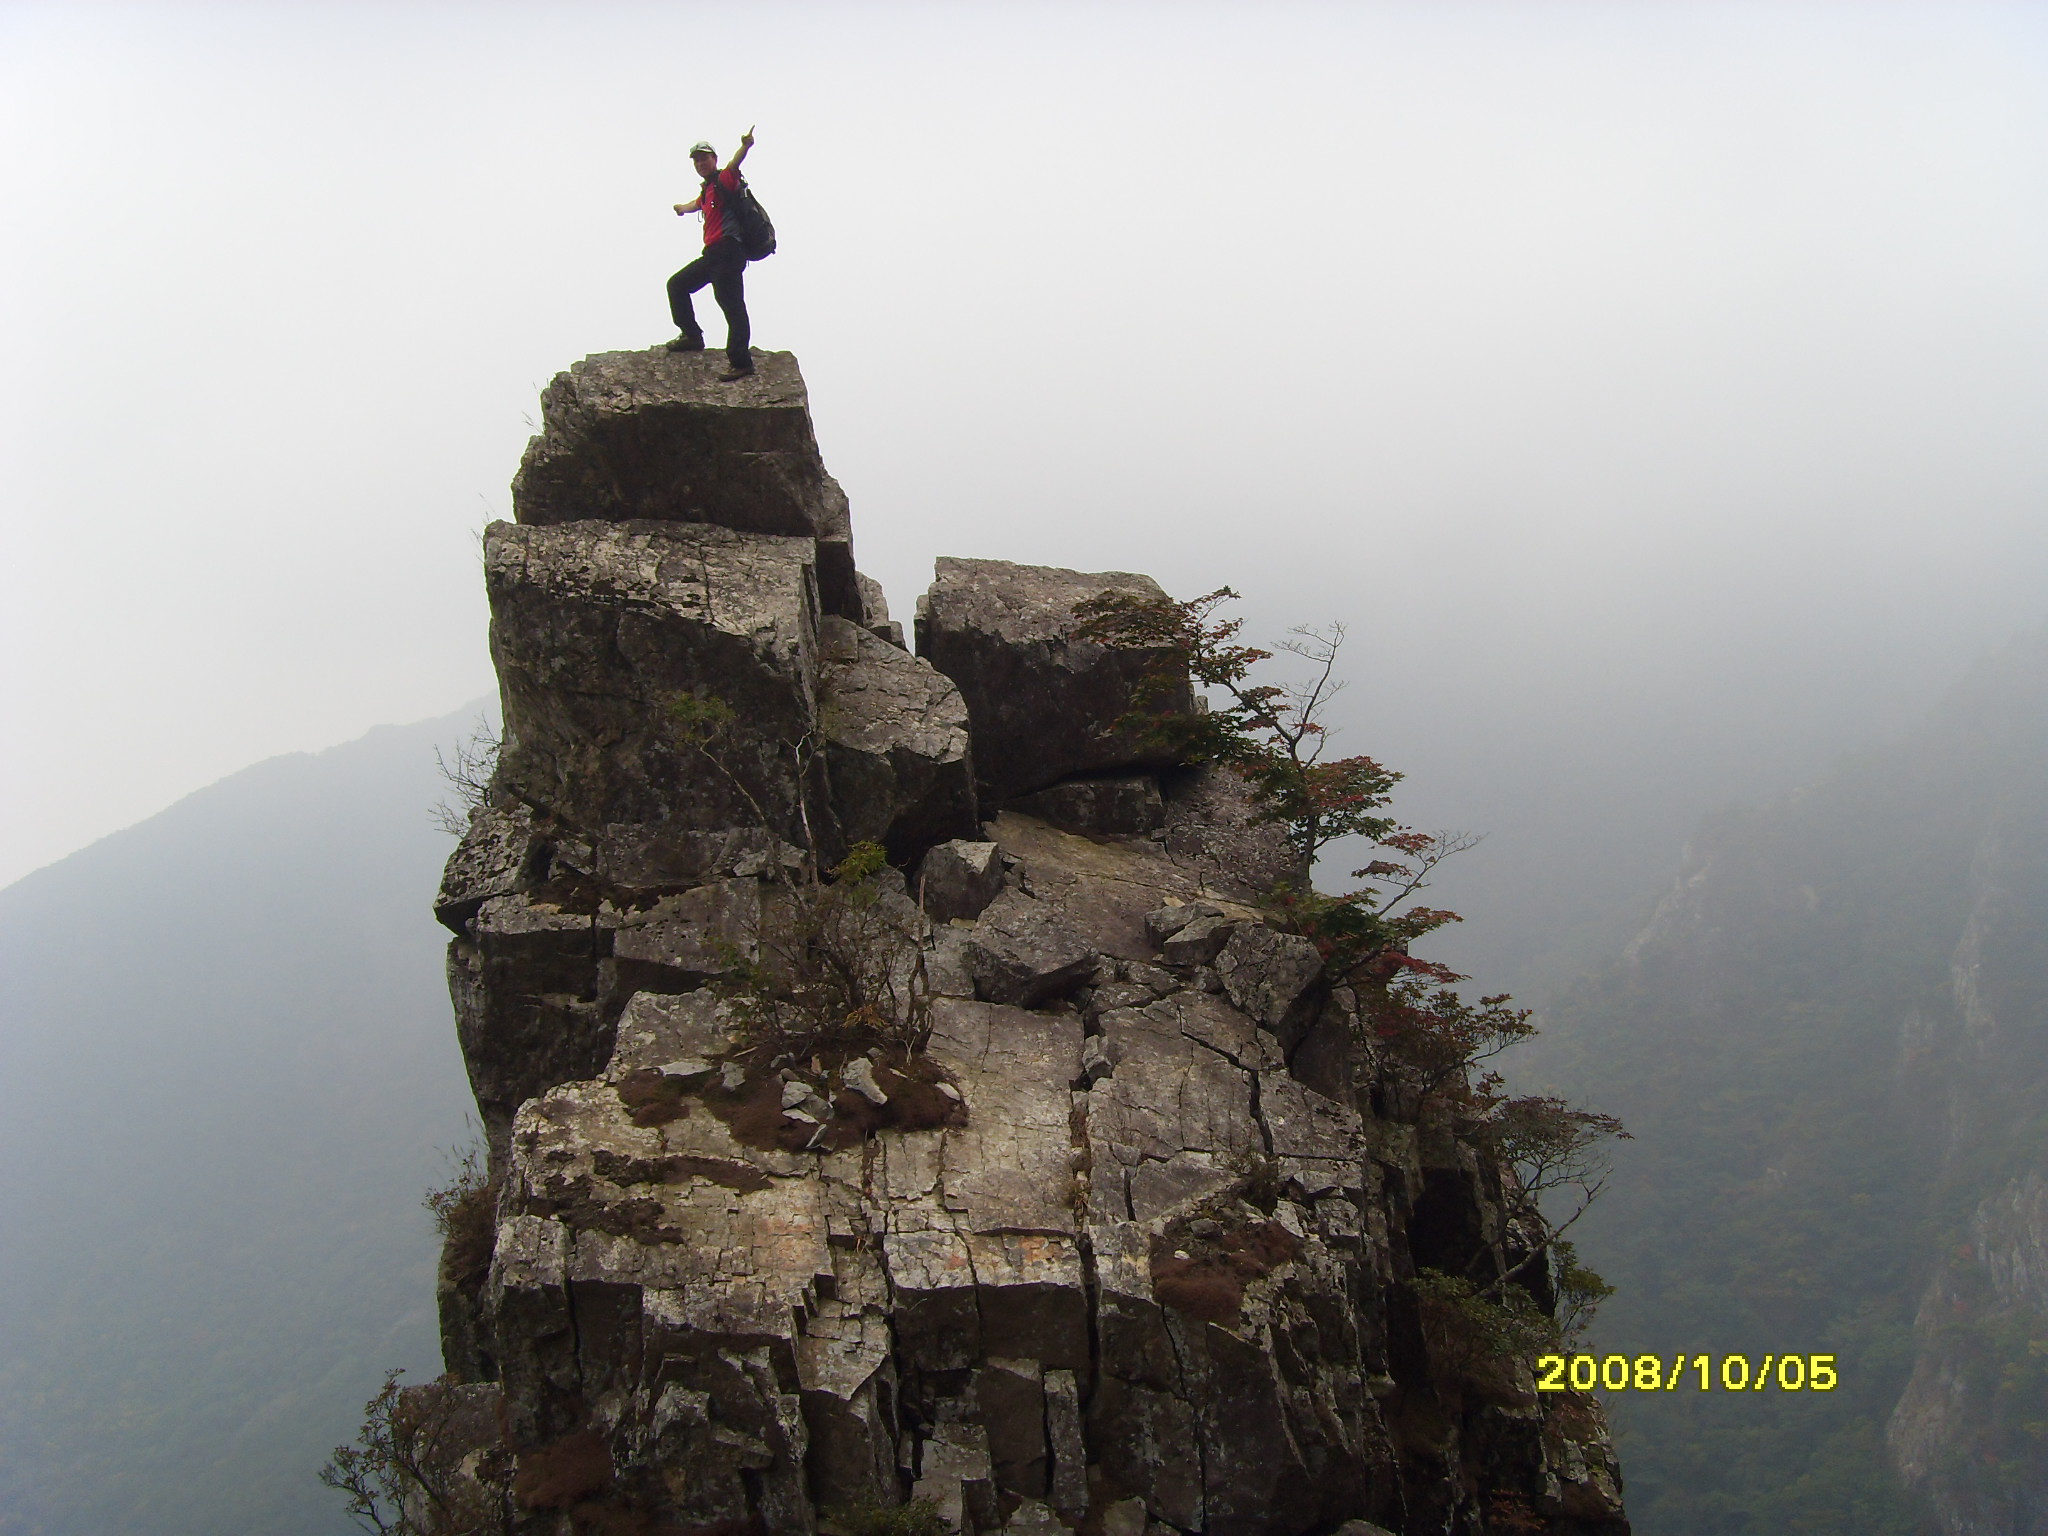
pixel 723 265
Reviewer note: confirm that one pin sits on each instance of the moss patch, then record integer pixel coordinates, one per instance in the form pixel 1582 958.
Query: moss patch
pixel 916 1102
pixel 1205 1277
pixel 652 1097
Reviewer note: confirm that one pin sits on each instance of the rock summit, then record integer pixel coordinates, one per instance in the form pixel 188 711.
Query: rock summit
pixel 1109 1222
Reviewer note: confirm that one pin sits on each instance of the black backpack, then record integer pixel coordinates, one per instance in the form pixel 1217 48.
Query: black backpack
pixel 756 230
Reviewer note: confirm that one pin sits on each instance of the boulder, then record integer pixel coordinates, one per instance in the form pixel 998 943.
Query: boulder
pixel 1121 806
pixel 874 610
pixel 895 734
pixel 680 941
pixel 487 862
pixel 526 983
pixel 1023 952
pixel 655 435
pixel 1198 942
pixel 1213 825
pixel 1045 705
pixel 1273 977
pixel 959 879
pixel 1162 923
pixel 598 629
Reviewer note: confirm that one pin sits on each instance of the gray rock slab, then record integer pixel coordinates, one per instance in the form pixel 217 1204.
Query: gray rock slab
pixel 1162 923
pixel 1274 977
pixel 1069 1494
pixel 655 435
pixel 527 1015
pixel 1023 951
pixel 658 1028
pixel 1105 888
pixel 679 941
pixel 1009 1170
pixel 896 751
pixel 1169 1094
pixel 874 611
pixel 1213 828
pixel 487 862
pixel 958 879
pixel 597 628
pixel 1045 704
pixel 1198 942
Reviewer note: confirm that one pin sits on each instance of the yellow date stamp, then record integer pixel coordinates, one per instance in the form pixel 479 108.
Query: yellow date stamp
pixel 1704 1373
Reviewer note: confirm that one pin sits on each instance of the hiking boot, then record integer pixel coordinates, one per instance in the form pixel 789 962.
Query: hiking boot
pixel 687 344
pixel 736 372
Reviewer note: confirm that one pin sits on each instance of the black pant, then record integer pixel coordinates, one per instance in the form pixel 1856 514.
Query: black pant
pixel 723 267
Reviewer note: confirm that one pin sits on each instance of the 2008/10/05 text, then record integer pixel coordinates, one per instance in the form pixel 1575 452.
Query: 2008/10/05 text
pixel 1648 1373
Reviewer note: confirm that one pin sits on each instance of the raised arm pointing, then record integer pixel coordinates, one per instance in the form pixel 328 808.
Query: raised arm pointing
pixel 746 143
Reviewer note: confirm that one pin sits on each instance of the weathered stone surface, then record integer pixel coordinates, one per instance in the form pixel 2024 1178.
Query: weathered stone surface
pixel 597 628
pixel 661 1031
pixel 1122 806
pixel 896 750
pixel 1023 952
pixel 1213 827
pixel 526 987
pixel 958 879
pixel 1273 977
pixel 654 435
pixel 489 861
pixel 1198 942
pixel 1106 888
pixel 1122 1245
pixel 920 1315
pixel 1045 705
pixel 678 942
pixel 1162 923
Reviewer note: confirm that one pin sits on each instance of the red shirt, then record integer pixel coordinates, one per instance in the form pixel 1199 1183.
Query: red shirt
pixel 712 199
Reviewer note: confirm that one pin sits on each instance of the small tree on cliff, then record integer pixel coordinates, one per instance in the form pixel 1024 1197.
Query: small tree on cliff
pixel 838 966
pixel 1275 736
pixel 419 1469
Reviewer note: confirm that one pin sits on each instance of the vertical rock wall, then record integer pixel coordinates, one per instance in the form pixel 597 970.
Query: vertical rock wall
pixel 1126 1245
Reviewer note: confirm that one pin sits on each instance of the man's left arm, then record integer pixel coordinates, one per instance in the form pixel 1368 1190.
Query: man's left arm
pixel 746 143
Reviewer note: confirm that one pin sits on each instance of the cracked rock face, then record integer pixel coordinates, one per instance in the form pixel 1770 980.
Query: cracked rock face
pixel 1104 1219
pixel 596 628
pixel 1172 1280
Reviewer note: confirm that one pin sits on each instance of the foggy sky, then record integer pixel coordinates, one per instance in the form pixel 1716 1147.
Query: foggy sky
pixel 1655 391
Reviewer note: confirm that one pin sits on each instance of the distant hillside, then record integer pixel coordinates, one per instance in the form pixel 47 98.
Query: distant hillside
pixel 227 1073
pixel 1829 1043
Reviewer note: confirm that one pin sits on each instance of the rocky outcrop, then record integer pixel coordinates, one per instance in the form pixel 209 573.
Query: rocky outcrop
pixel 1977 1325
pixel 1092 1214
pixel 1965 1434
